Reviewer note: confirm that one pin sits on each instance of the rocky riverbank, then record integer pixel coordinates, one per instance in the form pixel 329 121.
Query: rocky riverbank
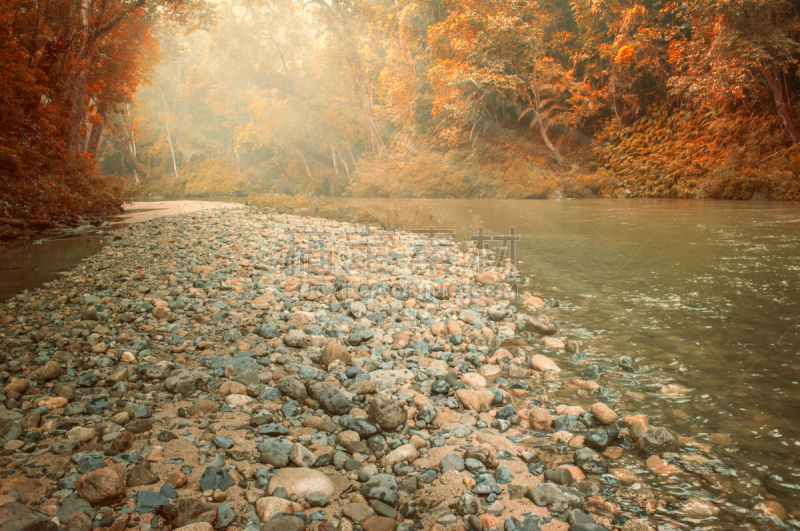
pixel 231 370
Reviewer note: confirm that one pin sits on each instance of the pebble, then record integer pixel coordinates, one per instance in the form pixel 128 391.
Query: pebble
pixel 301 482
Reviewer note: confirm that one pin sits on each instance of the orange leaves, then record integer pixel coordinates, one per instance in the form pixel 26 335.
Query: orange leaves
pixel 625 55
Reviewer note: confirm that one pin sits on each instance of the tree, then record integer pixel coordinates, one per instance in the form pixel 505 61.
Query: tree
pixel 491 58
pixel 734 49
pixel 69 64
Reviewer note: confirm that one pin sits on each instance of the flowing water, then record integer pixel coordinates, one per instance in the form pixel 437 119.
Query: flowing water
pixel 702 294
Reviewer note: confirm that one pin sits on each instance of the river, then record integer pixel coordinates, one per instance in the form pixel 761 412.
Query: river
pixel 702 294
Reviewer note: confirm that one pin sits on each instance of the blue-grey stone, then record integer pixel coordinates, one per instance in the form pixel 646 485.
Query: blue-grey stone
pixel 382 487
pixel 226 443
pixel 275 452
pixel 502 475
pixel 450 462
pixel 226 515
pixel 215 478
pixel 168 490
pixel 73 503
pixel 147 501
pixel 272 429
pixel 317 499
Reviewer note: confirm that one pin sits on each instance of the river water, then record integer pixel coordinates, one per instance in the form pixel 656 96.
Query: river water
pixel 702 294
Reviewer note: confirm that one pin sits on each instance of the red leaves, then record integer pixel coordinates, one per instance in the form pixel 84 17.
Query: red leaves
pixel 59 67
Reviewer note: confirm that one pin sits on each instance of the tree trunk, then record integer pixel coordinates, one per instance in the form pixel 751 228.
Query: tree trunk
pixel 77 112
pixel 542 131
pixel 130 158
pixel 782 104
pixel 166 128
pixel 344 163
pixel 308 170
pixel 375 135
pixel 94 138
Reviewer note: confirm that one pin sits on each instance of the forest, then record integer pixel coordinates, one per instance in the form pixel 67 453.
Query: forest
pixel 104 99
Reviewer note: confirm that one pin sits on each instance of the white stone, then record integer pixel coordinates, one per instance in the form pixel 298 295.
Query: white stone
pixel 301 482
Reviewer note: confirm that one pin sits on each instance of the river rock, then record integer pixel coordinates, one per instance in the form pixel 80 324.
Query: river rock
pixel 475 399
pixel 474 380
pixel 403 454
pixel 190 511
pixel 18 517
pixel 269 506
pixel 559 475
pixel 50 371
pixel 104 485
pixel 232 388
pixel 71 504
pixel 389 377
pixel 771 509
pixel 333 400
pixel 285 523
pixel 334 351
pixel 379 523
pixel 387 413
pixel 541 325
pixel 542 363
pixel 81 434
pixel 539 418
pixel 590 461
pixel 698 508
pixel 292 387
pixel 77 521
pixel 555 497
pixel 9 431
pixel 301 482
pixel 181 381
pixel 382 487
pixel 450 462
pixel 139 476
pixel 637 428
pixel 603 413
pixel 215 478
pixel 301 456
pixel 275 452
pixel 202 408
pixel 657 441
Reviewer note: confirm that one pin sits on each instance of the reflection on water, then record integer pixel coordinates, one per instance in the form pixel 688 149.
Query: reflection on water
pixel 28 265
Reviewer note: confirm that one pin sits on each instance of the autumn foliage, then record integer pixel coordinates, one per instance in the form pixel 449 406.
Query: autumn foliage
pixel 396 98
pixel 482 98
pixel 66 66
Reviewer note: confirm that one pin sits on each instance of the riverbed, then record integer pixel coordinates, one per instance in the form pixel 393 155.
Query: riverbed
pixel 701 295
pixel 29 264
